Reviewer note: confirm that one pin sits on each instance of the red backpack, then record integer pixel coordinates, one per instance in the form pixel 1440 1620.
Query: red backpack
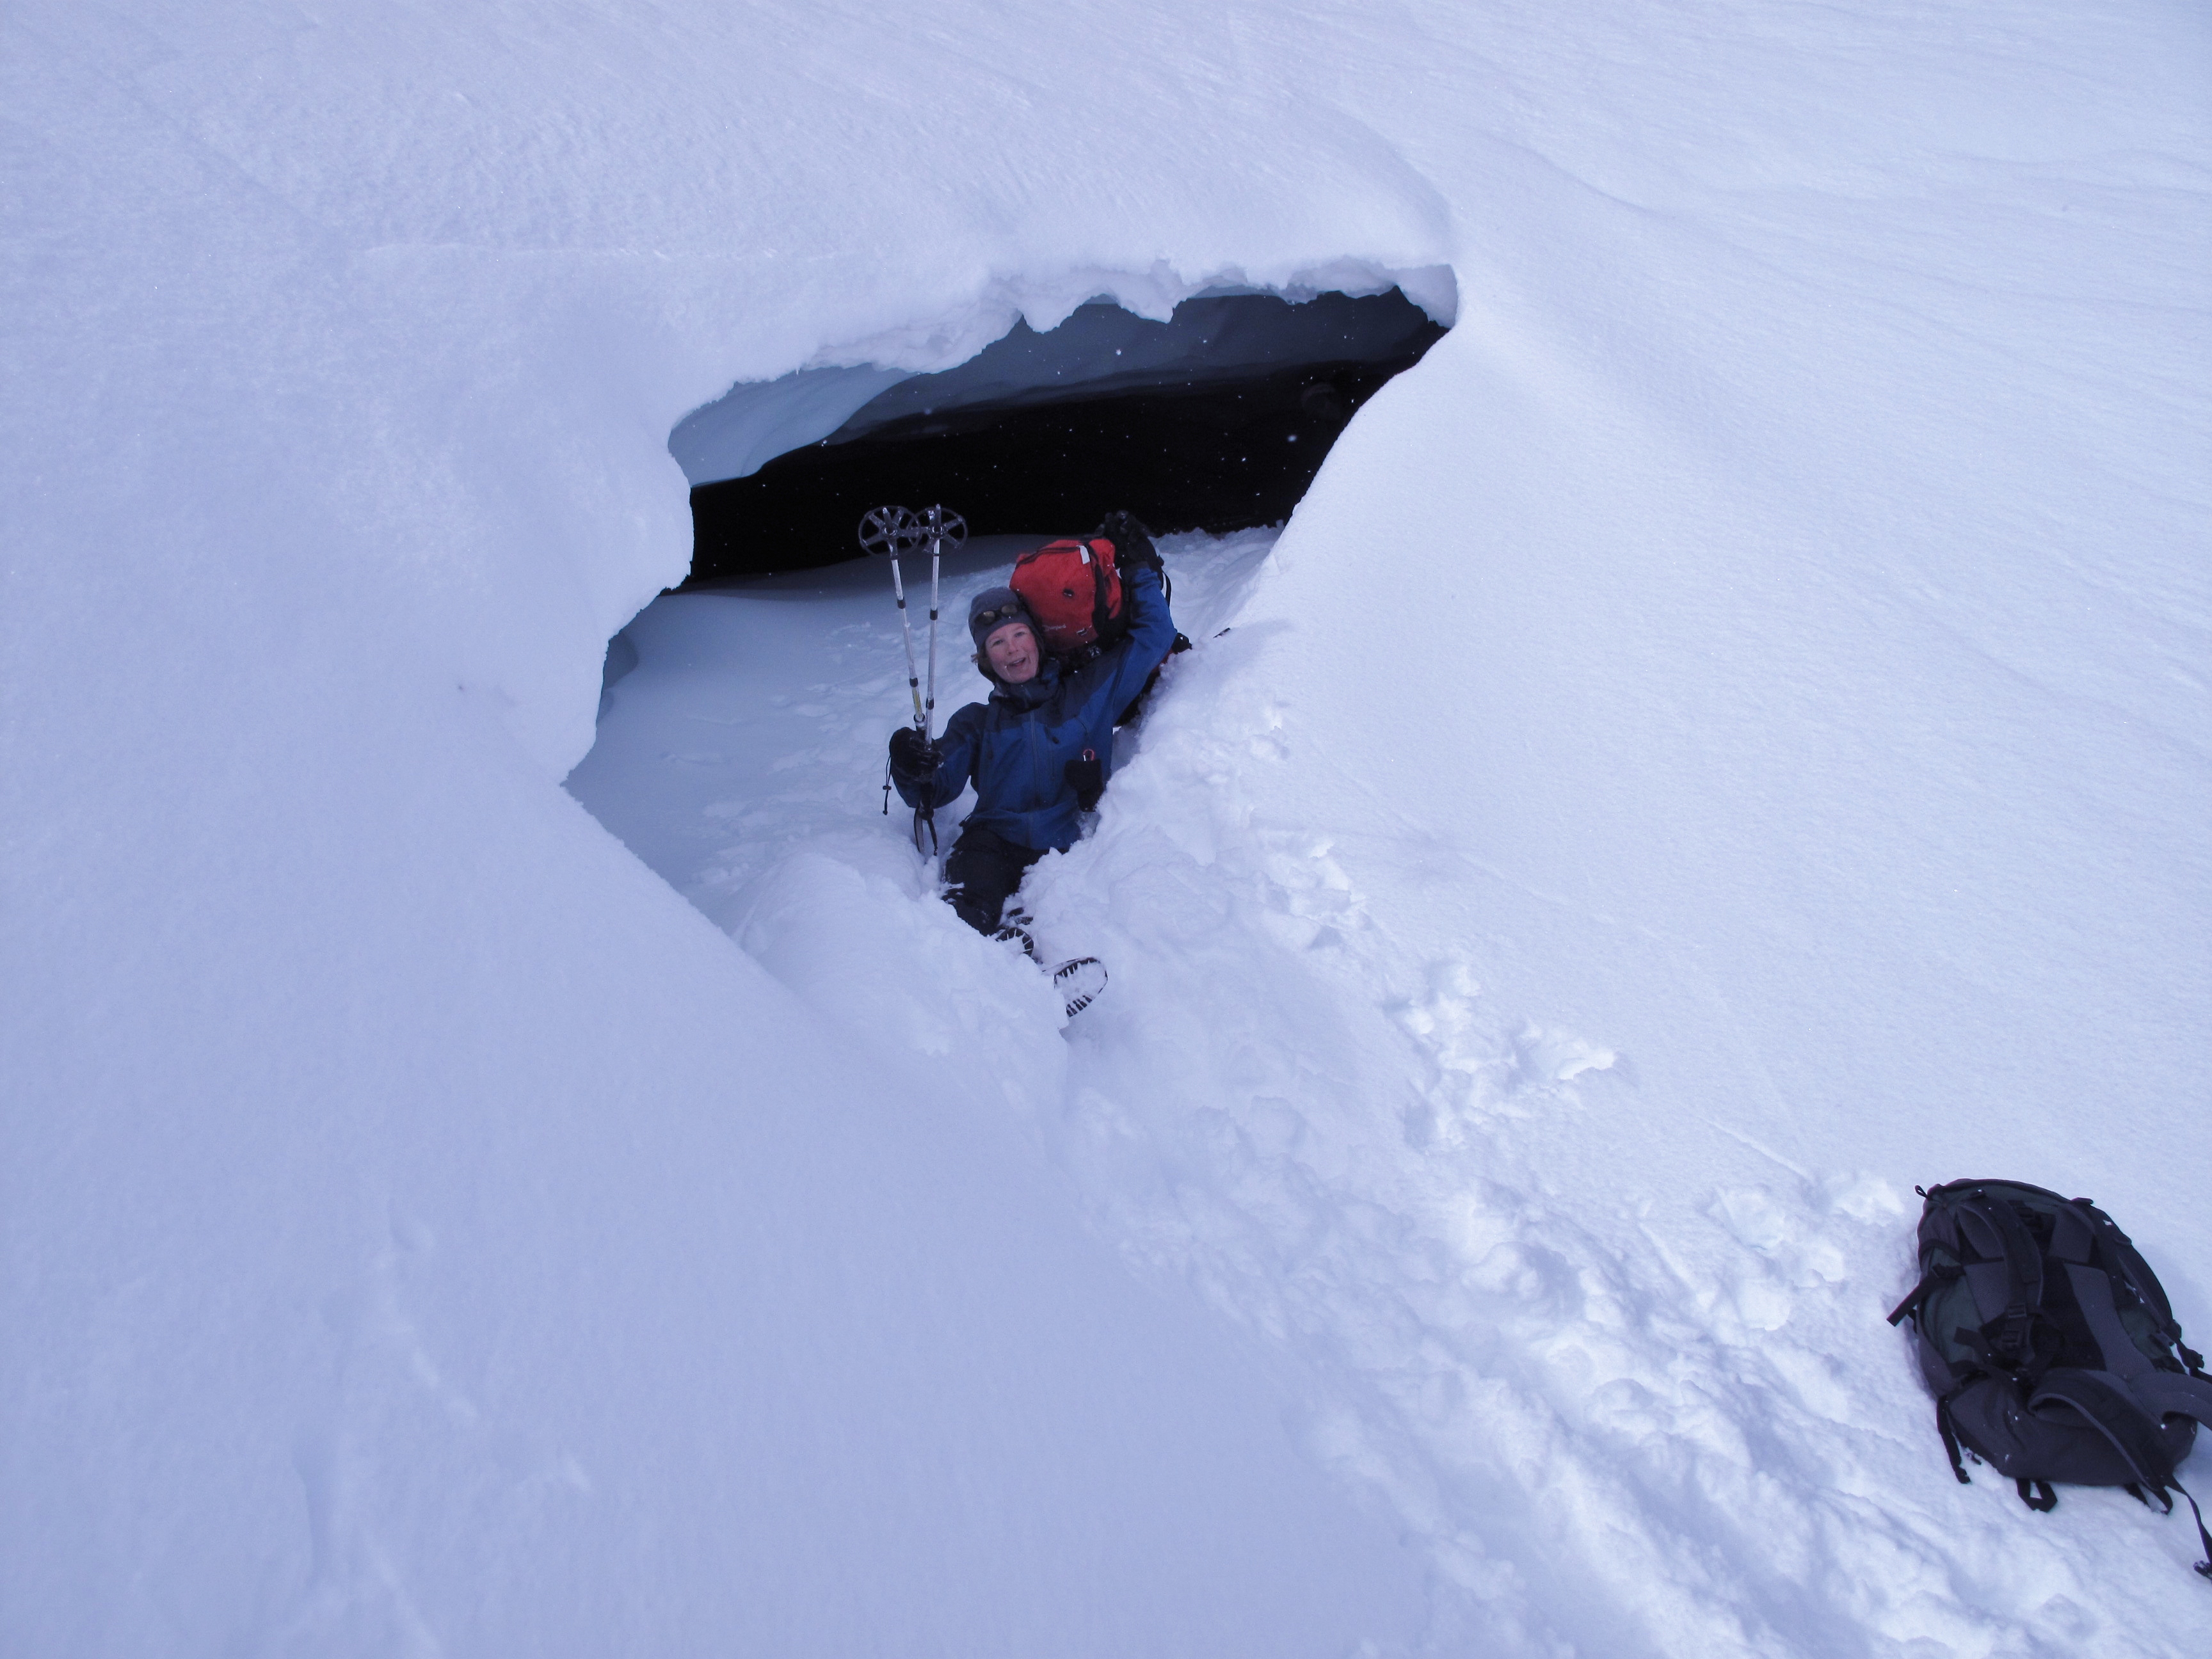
pixel 1074 591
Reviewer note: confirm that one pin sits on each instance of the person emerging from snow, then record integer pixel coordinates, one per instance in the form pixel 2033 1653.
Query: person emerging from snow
pixel 1040 748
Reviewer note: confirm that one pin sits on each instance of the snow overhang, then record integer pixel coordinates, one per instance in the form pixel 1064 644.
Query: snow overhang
pixel 1195 416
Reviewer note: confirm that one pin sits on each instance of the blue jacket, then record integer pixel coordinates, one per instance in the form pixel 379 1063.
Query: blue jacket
pixel 1017 746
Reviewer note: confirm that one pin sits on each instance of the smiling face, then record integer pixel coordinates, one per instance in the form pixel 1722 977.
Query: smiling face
pixel 1013 651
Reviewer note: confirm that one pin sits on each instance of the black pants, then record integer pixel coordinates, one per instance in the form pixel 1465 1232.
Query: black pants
pixel 982 872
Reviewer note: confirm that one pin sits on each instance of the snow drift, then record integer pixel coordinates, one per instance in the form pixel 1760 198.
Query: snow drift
pixel 1724 739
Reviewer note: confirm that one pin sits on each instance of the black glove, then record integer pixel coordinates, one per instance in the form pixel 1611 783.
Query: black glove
pixel 1087 775
pixel 1132 543
pixel 913 759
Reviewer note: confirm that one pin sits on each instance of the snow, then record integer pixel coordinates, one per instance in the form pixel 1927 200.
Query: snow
pixel 1096 349
pixel 1724 739
pixel 751 424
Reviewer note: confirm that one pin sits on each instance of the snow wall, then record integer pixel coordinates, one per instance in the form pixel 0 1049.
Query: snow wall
pixel 1740 703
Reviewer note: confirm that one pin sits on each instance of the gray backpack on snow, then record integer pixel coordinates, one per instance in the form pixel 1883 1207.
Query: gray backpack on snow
pixel 2051 1348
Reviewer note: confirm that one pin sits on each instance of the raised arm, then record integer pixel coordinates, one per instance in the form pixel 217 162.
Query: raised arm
pixel 1130 660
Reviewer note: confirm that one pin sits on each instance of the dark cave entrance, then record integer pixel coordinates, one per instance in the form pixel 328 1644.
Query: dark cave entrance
pixel 1217 419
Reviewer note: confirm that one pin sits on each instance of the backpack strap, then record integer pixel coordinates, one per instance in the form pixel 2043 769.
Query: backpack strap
pixel 1100 614
pixel 2121 1256
pixel 1915 1305
pixel 1951 1437
pixel 2130 1404
pixel 2204 1538
pixel 2073 1234
pixel 1916 1298
pixel 2012 1277
pixel 2092 1293
pixel 2097 1396
pixel 2099 1399
pixel 2164 1393
pixel 2108 1406
pixel 2120 1253
pixel 2159 1393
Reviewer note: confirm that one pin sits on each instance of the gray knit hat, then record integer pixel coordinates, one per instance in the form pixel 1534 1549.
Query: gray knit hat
pixel 993 608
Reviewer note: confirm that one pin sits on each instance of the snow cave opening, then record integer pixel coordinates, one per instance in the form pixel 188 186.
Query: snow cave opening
pixel 1216 419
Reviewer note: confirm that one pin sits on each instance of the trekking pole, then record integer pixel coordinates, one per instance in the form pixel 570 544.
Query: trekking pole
pixel 941 527
pixel 929 702
pixel 894 531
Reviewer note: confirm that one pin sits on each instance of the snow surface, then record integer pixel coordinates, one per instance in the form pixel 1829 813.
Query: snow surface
pixel 1724 739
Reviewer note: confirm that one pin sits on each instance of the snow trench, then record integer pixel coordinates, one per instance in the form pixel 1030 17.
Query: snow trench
pixel 1672 1428
pixel 1607 1437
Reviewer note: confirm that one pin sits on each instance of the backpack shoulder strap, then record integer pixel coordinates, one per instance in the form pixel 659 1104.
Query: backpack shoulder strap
pixel 2119 1253
pixel 2092 1294
pixel 2168 1394
pixel 2160 1393
pixel 1991 1225
pixel 1101 615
